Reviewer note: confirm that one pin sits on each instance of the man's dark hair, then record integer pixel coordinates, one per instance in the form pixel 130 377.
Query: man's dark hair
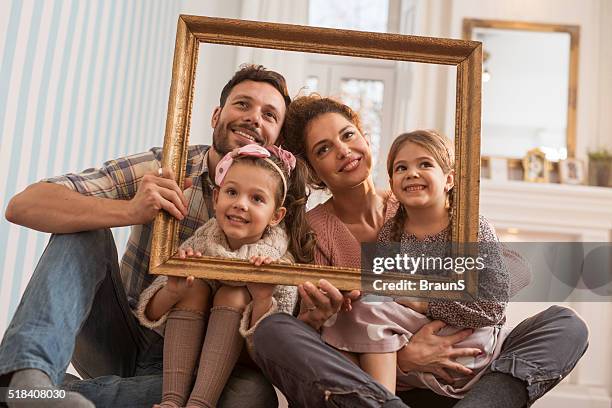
pixel 257 73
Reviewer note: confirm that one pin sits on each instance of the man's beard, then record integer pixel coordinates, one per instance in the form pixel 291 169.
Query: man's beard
pixel 221 138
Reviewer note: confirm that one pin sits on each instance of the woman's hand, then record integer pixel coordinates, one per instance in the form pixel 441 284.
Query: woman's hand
pixel 428 352
pixel 320 303
pixel 420 307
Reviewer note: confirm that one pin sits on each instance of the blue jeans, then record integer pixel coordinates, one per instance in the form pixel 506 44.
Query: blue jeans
pixel 540 352
pixel 75 308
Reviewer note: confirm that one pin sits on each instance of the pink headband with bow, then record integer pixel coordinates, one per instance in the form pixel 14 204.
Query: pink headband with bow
pixel 255 150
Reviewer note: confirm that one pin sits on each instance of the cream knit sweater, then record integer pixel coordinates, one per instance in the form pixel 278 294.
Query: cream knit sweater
pixel 211 241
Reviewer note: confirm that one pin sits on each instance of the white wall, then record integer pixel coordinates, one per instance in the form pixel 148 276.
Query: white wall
pixel 82 82
pixel 604 74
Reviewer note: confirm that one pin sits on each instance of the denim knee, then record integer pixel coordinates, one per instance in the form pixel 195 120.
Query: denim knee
pixel 544 351
pixel 276 319
pixel 259 389
pixel 246 384
pixel 574 327
pixel 99 241
pixel 269 333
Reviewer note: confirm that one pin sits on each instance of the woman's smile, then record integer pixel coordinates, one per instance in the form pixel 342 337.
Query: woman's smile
pixel 350 164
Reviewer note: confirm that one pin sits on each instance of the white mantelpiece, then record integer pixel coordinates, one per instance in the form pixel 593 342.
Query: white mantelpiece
pixel 583 213
pixel 557 212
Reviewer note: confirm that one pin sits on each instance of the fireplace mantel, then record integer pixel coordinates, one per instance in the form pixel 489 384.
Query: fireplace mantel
pixel 557 212
pixel 580 213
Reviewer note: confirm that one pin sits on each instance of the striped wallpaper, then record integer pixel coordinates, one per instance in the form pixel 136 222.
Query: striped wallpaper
pixel 80 82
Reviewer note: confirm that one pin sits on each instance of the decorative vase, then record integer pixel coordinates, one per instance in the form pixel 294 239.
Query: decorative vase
pixel 600 173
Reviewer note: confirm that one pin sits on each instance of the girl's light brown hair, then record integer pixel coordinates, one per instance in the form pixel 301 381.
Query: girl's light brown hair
pixel 442 150
pixel 300 113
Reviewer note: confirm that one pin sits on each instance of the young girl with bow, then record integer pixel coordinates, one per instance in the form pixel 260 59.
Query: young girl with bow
pixel 259 216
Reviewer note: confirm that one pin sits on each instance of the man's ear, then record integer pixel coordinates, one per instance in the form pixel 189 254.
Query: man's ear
pixel 215 117
pixel 278 216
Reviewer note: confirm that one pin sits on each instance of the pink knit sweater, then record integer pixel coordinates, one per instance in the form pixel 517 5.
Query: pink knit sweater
pixel 336 246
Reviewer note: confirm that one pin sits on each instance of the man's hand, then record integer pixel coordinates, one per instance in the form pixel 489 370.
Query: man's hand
pixel 158 192
pixel 428 352
pixel 320 303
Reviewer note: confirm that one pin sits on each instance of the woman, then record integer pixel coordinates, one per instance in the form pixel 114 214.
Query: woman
pixel 535 356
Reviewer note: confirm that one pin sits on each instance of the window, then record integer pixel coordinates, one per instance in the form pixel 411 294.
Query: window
pixel 365 96
pixel 364 15
pixel 367 85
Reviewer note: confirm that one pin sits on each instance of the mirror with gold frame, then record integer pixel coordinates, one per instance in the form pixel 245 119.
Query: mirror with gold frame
pixel 465 56
pixel 530 80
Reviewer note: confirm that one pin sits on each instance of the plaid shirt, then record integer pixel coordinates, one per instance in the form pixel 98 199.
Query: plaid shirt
pixel 119 179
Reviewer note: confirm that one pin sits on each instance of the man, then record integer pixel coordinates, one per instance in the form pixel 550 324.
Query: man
pixel 78 304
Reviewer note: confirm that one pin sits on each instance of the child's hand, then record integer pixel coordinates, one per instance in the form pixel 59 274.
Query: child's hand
pixel 347 304
pixel 185 252
pixel 259 260
pixel 178 286
pixel 261 291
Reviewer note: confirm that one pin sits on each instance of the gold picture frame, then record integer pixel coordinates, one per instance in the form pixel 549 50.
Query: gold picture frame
pixel 537 167
pixel 572 171
pixel 466 56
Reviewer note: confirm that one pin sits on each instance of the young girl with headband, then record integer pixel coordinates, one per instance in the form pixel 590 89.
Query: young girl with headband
pixel 421 171
pixel 259 191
